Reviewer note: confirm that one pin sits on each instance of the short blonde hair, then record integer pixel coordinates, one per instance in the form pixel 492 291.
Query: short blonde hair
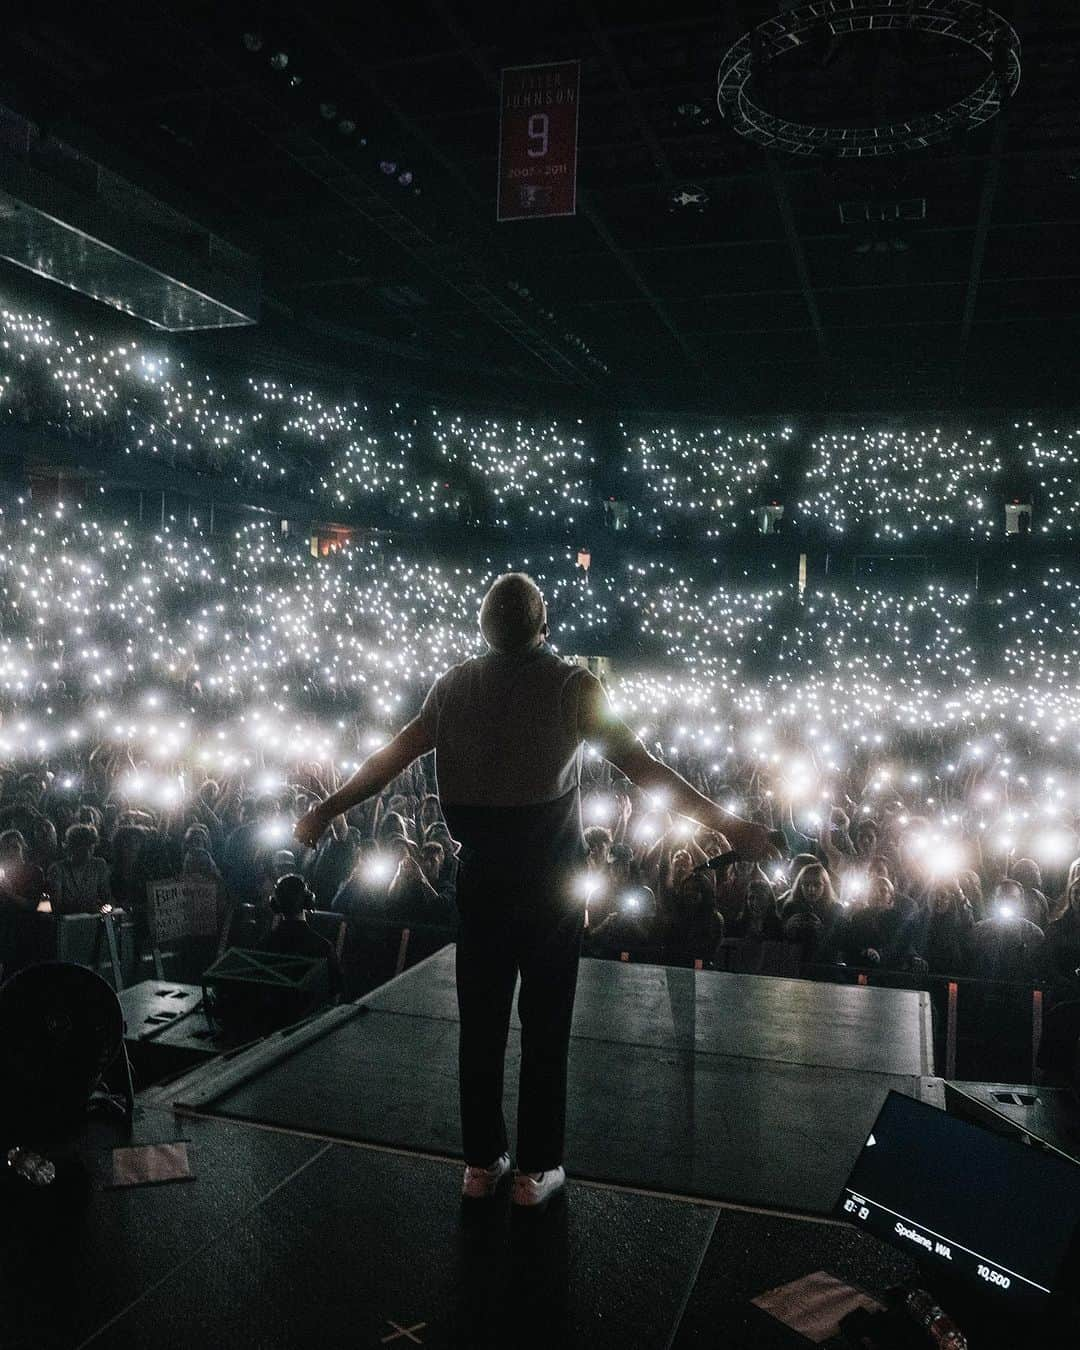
pixel 512 613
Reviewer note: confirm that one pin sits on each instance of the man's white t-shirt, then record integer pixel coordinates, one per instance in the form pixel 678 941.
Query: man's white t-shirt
pixel 506 730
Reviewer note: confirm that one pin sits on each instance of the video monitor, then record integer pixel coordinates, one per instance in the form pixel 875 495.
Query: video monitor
pixel 963 1200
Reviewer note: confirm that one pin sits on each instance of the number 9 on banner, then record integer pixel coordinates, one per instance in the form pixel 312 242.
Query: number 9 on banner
pixel 538 132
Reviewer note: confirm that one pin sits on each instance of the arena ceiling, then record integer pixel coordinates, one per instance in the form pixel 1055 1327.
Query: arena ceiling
pixel 940 277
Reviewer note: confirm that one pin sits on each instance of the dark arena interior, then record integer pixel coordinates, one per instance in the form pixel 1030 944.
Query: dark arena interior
pixel 539 638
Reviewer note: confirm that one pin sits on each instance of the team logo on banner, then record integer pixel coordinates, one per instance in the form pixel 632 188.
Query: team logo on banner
pixel 538 122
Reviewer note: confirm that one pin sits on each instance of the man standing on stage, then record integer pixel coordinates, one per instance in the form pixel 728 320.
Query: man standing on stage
pixel 507 729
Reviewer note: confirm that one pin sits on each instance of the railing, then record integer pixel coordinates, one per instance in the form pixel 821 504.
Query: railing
pixel 92 940
pixel 1001 1042
pixel 1011 1029
pixel 376 950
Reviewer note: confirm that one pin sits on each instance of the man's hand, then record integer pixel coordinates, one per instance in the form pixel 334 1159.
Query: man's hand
pixel 754 842
pixel 618 744
pixel 311 827
pixel 750 840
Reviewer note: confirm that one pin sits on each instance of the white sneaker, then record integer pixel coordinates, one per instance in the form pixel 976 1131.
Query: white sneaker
pixel 480 1183
pixel 535 1190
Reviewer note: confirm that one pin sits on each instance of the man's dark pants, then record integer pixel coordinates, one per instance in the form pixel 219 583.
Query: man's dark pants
pixel 510 924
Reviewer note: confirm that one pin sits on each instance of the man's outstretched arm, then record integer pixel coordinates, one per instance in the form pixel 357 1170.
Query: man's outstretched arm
pixel 617 743
pixel 371 777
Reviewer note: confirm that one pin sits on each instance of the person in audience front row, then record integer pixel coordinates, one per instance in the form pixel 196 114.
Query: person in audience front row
pixel 1006 945
pixel 291 900
pixel 812 916
pixel 1062 951
pixel 417 893
pixel 22 885
pixel 79 882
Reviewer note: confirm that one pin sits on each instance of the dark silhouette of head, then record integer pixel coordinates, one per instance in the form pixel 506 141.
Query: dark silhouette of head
pixel 292 896
pixel 513 616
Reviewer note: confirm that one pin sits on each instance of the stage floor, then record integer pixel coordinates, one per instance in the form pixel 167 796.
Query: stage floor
pixel 284 1242
pixel 741 1088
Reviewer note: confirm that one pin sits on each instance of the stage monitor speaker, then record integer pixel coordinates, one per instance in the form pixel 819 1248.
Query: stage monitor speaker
pixel 255 992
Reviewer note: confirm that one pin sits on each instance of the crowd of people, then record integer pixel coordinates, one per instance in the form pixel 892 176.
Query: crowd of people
pixel 865 883
pixel 711 479
pixel 128 397
pixel 904 485
pixel 171 704
pixel 862 891
pixel 171 700
pixel 1051 454
pixel 421 465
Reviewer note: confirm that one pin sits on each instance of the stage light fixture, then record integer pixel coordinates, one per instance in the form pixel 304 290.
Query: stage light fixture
pixel 689 195
pixel 346 126
pixel 279 60
pixel 328 111
pixel 747 64
pixel 387 166
pixel 405 179
pixel 253 42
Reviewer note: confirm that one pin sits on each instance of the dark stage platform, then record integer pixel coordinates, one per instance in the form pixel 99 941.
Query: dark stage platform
pixel 740 1088
pixel 326 1211
pixel 283 1242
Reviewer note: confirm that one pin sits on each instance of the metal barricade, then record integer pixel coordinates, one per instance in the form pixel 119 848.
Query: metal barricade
pixel 951 997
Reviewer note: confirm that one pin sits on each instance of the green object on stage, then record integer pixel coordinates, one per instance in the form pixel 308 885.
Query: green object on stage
pixel 259 991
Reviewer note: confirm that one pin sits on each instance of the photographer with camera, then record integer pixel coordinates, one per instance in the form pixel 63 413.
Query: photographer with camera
pixel 291 900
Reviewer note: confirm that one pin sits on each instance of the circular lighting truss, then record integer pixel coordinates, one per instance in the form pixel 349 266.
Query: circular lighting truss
pixel 952 20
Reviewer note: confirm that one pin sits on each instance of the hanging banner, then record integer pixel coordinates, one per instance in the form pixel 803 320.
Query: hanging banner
pixel 538 123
